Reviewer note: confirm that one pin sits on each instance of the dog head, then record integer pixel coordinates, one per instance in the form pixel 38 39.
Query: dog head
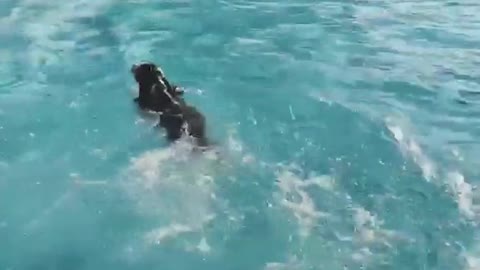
pixel 147 73
pixel 155 92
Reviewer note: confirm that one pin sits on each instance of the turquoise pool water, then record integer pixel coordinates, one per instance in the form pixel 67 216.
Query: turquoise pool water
pixel 347 132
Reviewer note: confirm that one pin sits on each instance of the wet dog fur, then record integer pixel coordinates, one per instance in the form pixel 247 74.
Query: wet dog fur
pixel 151 86
pixel 176 116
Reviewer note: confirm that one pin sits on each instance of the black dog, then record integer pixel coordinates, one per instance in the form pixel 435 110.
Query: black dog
pixel 177 117
pixel 180 119
pixel 152 85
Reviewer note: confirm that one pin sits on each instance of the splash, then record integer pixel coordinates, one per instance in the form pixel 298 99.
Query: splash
pixel 174 187
pixel 409 146
pixel 463 192
pixel 295 197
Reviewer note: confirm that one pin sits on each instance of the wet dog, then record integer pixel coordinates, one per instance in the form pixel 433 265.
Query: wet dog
pixel 176 116
pixel 152 84
pixel 182 119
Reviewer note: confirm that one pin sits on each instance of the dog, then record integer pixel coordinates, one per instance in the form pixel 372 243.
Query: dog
pixel 152 84
pixel 182 119
pixel 176 116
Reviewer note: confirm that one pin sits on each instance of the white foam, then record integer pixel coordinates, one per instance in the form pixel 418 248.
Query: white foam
pixel 303 207
pixel 233 143
pixel 175 187
pixel 43 26
pixel 292 264
pixel 472 259
pixel 99 153
pixel 463 192
pixel 292 114
pixel 249 41
pixel 238 150
pixel 368 231
pixel 412 148
pixel 362 255
pixel 41 23
pixel 460 188
pixel 365 225
pixel 80 182
pixel 456 153
pixel 160 234
pixel 472 256
pixel 248 159
pixel 203 246
pixel 472 263
pixel 73 105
